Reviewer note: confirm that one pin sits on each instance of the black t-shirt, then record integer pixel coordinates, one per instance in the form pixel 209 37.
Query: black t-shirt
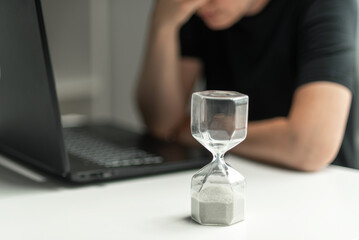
pixel 267 56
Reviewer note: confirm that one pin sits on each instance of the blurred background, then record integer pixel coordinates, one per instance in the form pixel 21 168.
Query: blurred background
pixel 96 48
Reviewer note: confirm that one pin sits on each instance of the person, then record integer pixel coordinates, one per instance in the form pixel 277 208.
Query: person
pixel 294 59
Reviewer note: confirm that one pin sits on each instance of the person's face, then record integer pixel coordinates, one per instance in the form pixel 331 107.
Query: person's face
pixel 222 14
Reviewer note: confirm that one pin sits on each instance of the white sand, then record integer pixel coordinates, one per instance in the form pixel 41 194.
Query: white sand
pixel 218 205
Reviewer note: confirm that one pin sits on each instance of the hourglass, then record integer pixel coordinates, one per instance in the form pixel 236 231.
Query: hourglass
pixel 219 123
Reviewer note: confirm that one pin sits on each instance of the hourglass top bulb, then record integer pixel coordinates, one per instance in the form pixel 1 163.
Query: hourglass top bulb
pixel 219 119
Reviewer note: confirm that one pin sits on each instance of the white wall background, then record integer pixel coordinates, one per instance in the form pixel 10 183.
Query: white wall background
pixel 68 30
pixel 129 21
pixel 96 49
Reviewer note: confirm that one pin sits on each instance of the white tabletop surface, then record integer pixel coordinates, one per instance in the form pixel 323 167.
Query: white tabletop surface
pixel 281 204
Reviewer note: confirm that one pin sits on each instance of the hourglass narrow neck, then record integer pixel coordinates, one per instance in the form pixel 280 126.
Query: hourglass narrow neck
pixel 218 157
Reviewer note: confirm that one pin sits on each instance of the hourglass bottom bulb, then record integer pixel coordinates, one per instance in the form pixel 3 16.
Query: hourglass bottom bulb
pixel 217 205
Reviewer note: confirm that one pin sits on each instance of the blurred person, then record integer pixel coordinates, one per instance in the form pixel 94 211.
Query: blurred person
pixel 294 59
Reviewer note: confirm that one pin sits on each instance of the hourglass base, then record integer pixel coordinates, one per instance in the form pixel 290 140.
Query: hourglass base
pixel 221 212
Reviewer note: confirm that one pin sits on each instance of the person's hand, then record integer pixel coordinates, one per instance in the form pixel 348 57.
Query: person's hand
pixel 175 12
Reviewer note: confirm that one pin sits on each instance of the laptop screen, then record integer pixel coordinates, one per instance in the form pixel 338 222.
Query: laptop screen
pixel 30 126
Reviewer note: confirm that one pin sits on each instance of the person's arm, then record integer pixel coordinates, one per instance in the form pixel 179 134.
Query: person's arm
pixel 166 79
pixel 310 137
pixel 307 140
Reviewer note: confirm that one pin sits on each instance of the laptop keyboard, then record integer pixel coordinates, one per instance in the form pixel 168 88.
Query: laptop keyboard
pixel 96 150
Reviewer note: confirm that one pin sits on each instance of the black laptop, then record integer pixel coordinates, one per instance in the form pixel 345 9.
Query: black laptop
pixel 30 121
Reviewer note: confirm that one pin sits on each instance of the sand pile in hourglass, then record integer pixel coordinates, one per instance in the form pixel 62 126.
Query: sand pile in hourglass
pixel 218 204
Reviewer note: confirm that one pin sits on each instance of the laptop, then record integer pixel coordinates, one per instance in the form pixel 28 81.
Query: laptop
pixel 30 122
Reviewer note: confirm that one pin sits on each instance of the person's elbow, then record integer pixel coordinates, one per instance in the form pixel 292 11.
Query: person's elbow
pixel 160 132
pixel 158 128
pixel 313 156
pixel 313 161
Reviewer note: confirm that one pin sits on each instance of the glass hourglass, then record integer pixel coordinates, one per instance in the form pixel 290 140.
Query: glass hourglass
pixel 218 122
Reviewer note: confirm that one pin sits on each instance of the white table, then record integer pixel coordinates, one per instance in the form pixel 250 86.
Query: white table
pixel 281 204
